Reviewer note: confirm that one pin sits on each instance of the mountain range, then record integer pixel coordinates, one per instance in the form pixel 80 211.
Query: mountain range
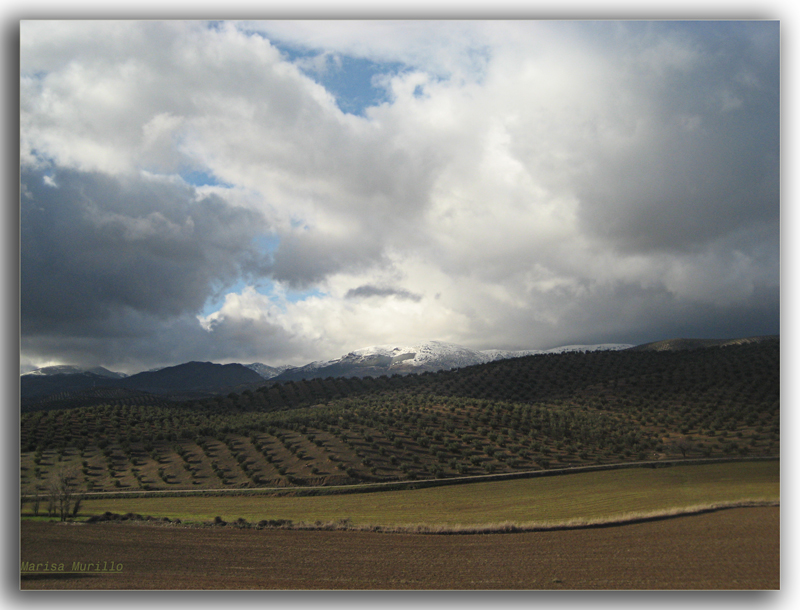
pixel 197 379
pixel 369 361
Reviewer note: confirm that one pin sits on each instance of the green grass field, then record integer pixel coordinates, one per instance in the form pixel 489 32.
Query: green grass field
pixel 594 495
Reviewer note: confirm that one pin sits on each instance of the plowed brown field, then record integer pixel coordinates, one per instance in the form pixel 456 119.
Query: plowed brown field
pixel 728 549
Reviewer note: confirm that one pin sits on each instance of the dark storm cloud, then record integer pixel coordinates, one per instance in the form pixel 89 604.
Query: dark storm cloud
pixel 95 248
pixel 309 257
pixel 367 291
pixel 636 315
pixel 703 159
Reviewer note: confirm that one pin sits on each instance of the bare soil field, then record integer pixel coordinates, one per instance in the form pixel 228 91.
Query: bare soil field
pixel 729 549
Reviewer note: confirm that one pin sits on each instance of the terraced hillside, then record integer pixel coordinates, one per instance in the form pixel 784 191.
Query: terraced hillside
pixel 529 413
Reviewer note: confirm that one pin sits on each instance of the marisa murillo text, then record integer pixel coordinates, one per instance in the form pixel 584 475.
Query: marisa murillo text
pixel 76 566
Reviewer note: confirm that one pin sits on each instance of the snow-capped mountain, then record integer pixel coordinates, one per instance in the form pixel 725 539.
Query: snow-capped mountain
pixel 428 356
pixel 68 369
pixel 369 361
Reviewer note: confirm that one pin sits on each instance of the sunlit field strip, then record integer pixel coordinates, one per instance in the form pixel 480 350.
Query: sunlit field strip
pixel 590 495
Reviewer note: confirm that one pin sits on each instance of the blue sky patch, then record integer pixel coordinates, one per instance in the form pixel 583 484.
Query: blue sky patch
pixel 351 80
pixel 267 244
pixel 294 296
pixel 202 178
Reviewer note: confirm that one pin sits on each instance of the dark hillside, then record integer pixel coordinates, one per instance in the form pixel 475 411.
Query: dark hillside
pixel 191 376
pixel 681 344
pixel 69 399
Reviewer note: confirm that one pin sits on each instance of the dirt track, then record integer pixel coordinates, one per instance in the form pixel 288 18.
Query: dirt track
pixel 729 549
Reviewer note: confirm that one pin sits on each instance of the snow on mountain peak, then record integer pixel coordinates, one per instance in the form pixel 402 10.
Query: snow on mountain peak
pixel 428 356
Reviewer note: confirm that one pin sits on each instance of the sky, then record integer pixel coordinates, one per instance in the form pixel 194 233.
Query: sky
pixel 288 191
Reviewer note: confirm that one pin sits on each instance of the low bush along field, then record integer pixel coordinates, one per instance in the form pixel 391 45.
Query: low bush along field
pixel 592 495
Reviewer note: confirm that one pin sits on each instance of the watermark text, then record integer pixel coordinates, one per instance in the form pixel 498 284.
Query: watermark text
pixel 46 567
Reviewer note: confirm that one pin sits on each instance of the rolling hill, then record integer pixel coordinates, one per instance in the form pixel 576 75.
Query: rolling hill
pixel 529 413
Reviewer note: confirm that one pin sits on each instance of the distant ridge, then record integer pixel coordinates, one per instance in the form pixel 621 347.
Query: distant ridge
pixel 191 376
pixel 671 345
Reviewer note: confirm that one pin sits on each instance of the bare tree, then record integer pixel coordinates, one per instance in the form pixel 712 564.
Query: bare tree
pixel 62 492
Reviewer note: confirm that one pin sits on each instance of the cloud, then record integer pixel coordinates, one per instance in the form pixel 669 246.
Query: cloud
pixel 97 247
pixel 515 184
pixel 367 291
